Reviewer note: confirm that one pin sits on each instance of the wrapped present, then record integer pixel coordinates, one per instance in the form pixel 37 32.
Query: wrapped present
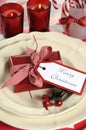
pixel 22 68
pixel 74 19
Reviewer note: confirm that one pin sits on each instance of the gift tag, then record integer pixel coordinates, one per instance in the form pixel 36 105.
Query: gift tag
pixel 62 76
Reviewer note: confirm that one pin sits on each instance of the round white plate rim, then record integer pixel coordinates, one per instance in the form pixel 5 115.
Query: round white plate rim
pixel 17 126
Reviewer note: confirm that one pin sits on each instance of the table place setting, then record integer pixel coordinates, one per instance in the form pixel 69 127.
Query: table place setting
pixel 43 65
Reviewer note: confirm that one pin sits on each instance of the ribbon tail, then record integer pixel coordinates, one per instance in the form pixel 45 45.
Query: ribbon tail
pixel 45 52
pixel 34 79
pixel 17 77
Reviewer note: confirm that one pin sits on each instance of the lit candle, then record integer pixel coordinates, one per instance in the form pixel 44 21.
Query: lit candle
pixel 11 19
pixel 39 8
pixel 39 15
pixel 11 15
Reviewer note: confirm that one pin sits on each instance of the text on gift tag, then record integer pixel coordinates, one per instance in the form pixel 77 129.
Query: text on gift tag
pixel 62 76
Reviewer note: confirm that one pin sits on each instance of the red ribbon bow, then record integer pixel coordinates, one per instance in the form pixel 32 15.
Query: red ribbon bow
pixel 68 20
pixel 28 70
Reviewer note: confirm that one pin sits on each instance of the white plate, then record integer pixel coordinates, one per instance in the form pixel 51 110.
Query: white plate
pixel 18 109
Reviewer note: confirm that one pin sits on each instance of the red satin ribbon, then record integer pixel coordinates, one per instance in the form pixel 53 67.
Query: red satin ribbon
pixel 68 20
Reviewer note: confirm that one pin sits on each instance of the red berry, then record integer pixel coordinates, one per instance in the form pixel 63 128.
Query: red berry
pixel 58 103
pixel 46 104
pixel 45 97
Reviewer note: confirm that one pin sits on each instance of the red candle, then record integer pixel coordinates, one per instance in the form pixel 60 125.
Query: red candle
pixel 39 7
pixel 38 14
pixel 11 19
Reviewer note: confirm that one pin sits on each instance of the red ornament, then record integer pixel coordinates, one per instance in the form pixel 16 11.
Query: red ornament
pixel 46 103
pixel 58 103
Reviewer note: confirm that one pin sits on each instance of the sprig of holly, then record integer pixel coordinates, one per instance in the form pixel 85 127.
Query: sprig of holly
pixel 55 98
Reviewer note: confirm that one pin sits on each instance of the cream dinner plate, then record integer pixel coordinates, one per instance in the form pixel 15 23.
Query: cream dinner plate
pixel 18 109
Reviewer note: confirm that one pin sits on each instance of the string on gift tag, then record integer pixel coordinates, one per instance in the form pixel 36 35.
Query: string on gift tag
pixel 33 53
pixel 42 67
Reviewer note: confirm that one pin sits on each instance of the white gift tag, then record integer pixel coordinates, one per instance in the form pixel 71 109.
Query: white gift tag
pixel 62 76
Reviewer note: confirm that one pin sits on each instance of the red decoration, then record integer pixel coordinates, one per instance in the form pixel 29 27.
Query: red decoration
pixel 25 84
pixel 68 20
pixel 58 102
pixel 54 99
pixel 39 14
pixel 46 103
pixel 22 68
pixel 11 19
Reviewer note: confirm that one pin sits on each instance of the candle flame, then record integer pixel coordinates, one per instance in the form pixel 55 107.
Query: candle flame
pixel 11 14
pixel 39 6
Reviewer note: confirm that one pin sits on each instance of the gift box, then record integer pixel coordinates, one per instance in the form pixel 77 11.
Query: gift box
pixel 74 20
pixel 24 85
pixel 21 64
pixel 77 24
